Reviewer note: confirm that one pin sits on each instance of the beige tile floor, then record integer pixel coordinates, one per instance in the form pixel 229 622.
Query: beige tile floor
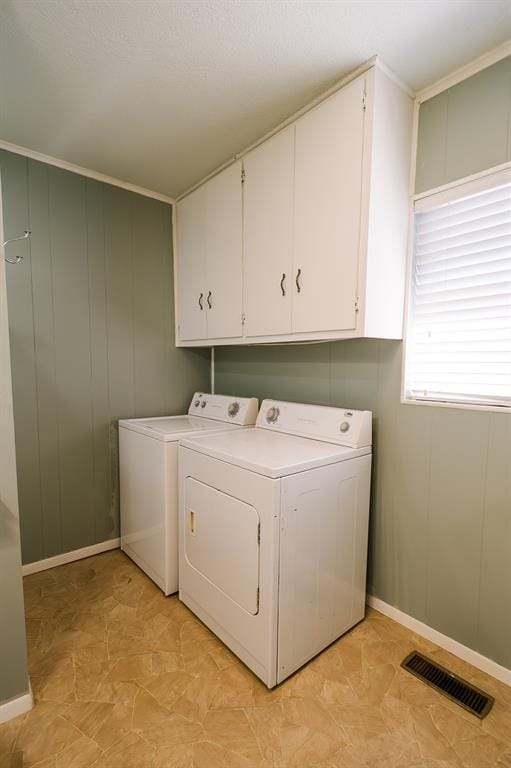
pixel 125 678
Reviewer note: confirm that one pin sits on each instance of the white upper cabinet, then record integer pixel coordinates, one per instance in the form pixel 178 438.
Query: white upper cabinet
pixel 328 181
pixel 223 247
pixel 191 267
pixel 209 259
pixel 312 244
pixel 268 235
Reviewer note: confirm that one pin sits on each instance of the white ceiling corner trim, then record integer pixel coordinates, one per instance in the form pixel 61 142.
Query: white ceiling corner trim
pixel 467 70
pixel 90 174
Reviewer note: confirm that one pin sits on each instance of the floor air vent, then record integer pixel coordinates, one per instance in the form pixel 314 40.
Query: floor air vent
pixel 455 688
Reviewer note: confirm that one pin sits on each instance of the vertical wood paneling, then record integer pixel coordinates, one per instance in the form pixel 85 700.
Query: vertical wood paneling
pixel 119 302
pixel 465 129
pixel 382 539
pixel 150 305
pixel 432 142
pixel 68 231
pixel 104 522
pixel 21 324
pixel 92 334
pixel 490 92
pixel 459 449
pixel 411 497
pixel 358 366
pixel 494 625
pixel 13 656
pixel 45 358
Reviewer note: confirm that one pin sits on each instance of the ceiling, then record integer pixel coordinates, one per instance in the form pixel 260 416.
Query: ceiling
pixel 160 93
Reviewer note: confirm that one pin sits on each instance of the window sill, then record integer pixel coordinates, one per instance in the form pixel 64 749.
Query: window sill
pixel 459 406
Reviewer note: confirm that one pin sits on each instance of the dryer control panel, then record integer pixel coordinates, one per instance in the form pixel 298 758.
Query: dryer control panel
pixel 235 410
pixel 342 426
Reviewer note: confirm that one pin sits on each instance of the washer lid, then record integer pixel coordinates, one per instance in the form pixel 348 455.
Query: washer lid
pixel 274 454
pixel 205 413
pixel 169 428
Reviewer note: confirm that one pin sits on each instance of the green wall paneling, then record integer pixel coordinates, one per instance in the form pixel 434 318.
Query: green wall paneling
pixel 459 448
pixel 13 657
pixel 105 522
pixel 465 129
pixel 13 649
pixel 478 138
pixel 24 375
pixel 440 543
pixel 46 426
pixel 72 344
pixel 494 625
pixel 92 335
pixel 432 143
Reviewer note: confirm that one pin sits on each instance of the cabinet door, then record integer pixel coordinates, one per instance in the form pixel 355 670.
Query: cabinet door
pixel 190 261
pixel 268 235
pixel 223 247
pixel 328 179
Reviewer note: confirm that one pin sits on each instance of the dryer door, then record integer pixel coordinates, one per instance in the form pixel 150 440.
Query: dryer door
pixel 221 539
pixel 229 555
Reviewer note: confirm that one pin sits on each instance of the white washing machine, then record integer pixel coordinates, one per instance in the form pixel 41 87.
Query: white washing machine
pixel 273 532
pixel 148 478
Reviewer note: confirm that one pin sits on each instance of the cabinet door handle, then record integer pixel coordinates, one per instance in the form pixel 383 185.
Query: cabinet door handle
pixel 200 301
pixel 282 287
pixel 297 281
pixel 209 300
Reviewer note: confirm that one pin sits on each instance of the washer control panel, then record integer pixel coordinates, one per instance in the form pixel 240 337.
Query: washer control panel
pixel 238 410
pixel 332 425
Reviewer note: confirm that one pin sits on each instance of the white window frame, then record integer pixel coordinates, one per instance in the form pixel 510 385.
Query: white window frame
pixel 477 182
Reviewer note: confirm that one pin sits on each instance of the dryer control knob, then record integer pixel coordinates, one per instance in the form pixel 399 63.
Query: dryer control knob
pixel 196 403
pixel 272 415
pixel 344 426
pixel 203 404
pixel 233 409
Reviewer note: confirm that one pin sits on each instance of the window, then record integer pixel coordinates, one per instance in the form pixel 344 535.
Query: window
pixel 459 327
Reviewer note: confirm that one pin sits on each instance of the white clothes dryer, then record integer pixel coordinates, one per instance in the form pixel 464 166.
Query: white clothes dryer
pixel 149 482
pixel 273 532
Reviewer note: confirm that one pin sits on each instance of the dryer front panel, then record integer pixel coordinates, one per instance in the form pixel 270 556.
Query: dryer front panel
pixel 228 555
pixel 221 540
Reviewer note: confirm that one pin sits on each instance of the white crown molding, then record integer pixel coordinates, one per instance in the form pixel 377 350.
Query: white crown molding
pixel 70 557
pixel 447 643
pixel 78 169
pixel 467 70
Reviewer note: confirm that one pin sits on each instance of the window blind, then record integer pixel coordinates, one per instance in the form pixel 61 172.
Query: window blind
pixel 459 336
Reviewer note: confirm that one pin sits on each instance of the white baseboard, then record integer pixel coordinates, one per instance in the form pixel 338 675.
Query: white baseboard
pixel 69 557
pixel 16 707
pixel 447 643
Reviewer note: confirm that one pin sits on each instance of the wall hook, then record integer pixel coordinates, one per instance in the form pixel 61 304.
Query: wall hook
pixel 14 240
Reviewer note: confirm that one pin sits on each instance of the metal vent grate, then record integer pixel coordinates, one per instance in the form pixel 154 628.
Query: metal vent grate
pixel 455 688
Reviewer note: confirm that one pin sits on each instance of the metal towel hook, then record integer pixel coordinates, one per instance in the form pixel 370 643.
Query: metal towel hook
pixel 14 240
